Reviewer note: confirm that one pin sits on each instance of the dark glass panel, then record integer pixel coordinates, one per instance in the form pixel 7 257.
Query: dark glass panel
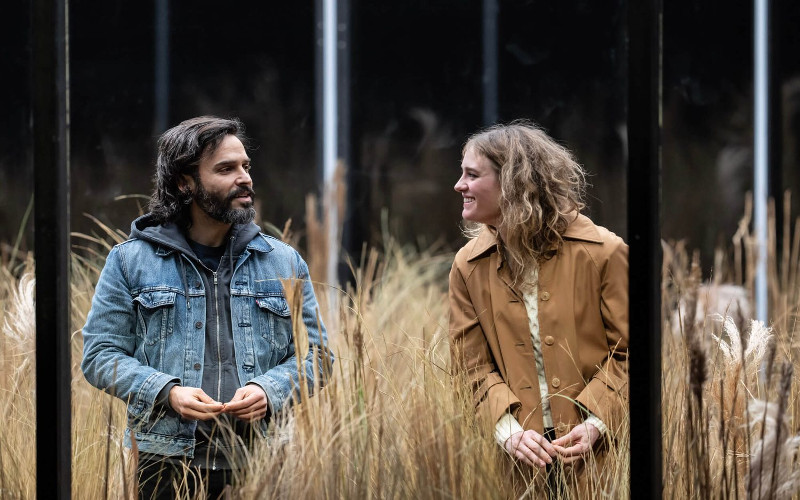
pixel 16 167
pixel 253 60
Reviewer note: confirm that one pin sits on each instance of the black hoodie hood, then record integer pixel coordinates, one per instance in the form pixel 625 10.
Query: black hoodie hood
pixel 169 235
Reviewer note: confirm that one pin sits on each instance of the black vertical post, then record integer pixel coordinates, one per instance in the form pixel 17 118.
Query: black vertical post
pixel 644 233
pixel 161 83
pixel 775 116
pixel 51 242
pixel 490 63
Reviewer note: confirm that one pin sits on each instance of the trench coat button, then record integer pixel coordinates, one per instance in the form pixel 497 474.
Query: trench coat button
pixel 555 382
pixel 197 366
pixel 198 325
pixel 545 296
pixel 549 340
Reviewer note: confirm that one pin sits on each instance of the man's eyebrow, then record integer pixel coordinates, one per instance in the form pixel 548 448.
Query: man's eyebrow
pixel 228 162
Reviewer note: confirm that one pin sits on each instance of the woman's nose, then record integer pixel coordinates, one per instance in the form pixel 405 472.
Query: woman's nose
pixel 459 185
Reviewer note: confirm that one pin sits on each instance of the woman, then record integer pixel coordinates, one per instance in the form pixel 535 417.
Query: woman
pixel 538 300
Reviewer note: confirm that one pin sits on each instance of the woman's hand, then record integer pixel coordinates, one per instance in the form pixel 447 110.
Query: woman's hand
pixel 530 447
pixel 577 443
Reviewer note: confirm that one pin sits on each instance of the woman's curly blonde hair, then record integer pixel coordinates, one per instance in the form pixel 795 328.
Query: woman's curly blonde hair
pixel 542 189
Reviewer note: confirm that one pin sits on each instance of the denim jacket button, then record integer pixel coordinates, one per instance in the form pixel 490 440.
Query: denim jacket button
pixel 197 366
pixel 198 325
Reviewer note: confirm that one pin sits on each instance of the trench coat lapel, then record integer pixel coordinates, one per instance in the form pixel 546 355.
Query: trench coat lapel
pixel 486 243
pixel 504 272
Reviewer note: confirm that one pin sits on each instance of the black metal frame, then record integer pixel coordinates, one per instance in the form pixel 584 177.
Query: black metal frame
pixel 644 235
pixel 52 251
pixel 775 115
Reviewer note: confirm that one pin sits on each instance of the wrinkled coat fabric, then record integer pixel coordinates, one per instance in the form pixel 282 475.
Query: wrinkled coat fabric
pixel 583 320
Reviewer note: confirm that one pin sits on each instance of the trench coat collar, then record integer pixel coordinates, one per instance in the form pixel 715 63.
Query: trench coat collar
pixel 581 228
pixel 485 243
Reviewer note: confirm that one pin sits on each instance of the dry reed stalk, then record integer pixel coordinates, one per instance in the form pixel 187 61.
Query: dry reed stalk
pixel 702 409
pixel 740 360
pixel 391 424
pixel 774 471
pixel 739 238
pixel 733 378
pixel 17 387
pixel 787 215
pixel 784 288
pixel 98 419
pixel 287 234
pixel 316 234
pixel 319 230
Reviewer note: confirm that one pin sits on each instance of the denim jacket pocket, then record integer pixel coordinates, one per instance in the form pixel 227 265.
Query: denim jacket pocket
pixel 276 324
pixel 163 422
pixel 155 321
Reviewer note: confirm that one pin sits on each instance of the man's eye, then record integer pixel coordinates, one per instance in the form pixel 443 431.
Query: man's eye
pixel 247 168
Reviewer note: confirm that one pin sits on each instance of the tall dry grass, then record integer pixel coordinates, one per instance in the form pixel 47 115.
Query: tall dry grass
pixel 730 405
pixel 392 422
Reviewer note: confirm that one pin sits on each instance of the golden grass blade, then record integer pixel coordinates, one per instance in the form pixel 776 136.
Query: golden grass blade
pixel 116 235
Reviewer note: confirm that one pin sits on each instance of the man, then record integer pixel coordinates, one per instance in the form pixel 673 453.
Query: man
pixel 190 324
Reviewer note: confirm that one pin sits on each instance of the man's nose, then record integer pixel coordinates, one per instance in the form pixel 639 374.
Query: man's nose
pixel 244 177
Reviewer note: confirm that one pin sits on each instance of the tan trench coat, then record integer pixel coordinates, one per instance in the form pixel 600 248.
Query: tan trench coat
pixel 583 318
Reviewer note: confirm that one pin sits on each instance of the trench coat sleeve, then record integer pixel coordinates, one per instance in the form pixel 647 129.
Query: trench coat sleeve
pixel 471 356
pixel 606 394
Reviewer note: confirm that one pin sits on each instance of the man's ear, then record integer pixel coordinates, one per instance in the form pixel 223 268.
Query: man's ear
pixel 186 183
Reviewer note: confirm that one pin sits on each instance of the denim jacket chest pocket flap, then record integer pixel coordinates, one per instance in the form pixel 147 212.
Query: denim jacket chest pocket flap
pixel 275 320
pixel 155 315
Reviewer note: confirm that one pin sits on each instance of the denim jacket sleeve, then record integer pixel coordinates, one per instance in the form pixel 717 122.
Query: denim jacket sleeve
pixel 282 382
pixel 109 343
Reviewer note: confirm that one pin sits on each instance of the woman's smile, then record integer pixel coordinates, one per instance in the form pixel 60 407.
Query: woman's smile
pixel 480 188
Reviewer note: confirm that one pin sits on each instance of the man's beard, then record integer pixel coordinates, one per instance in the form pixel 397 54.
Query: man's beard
pixel 219 208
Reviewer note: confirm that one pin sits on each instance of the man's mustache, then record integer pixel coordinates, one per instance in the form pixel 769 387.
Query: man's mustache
pixel 239 191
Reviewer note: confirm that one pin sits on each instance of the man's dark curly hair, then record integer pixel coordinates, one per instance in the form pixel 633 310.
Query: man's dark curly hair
pixel 180 150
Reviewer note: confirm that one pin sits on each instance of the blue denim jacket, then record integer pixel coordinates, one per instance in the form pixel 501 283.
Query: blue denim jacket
pixel 143 332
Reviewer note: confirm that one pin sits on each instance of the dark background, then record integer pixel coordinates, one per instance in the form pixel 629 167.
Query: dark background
pixel 416 94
